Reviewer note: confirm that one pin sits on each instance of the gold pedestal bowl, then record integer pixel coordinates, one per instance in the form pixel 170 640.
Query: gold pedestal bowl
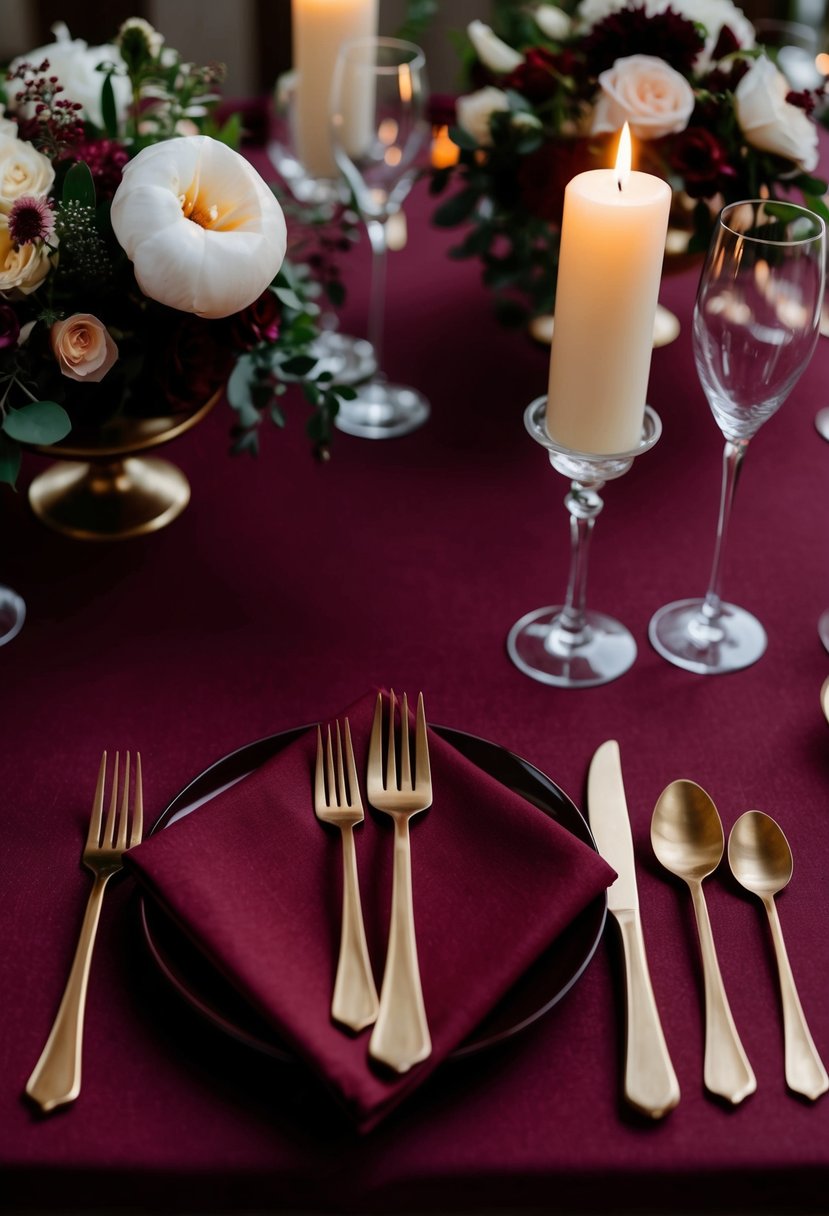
pixel 101 488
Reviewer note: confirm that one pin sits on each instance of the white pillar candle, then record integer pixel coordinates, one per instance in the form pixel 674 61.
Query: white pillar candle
pixel 319 28
pixel 610 263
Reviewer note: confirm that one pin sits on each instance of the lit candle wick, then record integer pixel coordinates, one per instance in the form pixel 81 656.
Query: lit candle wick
pixel 623 158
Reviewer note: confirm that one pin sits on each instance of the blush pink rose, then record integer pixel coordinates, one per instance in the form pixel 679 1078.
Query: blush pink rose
pixel 83 348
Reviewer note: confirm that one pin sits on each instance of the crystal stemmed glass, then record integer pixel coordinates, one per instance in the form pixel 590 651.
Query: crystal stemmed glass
pixel 754 331
pixel 380 131
pixel 321 193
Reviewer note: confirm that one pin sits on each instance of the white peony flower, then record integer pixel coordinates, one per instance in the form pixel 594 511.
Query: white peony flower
pixel 203 231
pixel 712 14
pixel 645 92
pixel 22 268
pixel 474 110
pixel 23 171
pixel 553 22
pixel 74 63
pixel 492 51
pixel 769 122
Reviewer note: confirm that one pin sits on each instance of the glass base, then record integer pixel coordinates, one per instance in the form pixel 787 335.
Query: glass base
pixel 382 411
pixel 541 649
pixel 12 614
pixel 823 629
pixel 349 360
pixel 734 641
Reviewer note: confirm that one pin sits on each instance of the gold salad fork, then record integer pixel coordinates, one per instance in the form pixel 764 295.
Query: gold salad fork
pixel 337 802
pixel 56 1079
pixel 401 1034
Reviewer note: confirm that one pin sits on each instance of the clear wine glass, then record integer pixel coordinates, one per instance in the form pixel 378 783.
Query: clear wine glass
pixel 754 331
pixel 12 614
pixel 380 132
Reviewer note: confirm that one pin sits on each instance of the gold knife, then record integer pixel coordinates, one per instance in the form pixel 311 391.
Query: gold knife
pixel 650 1081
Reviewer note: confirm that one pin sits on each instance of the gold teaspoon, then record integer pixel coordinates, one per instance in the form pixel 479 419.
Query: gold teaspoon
pixel 761 860
pixel 688 839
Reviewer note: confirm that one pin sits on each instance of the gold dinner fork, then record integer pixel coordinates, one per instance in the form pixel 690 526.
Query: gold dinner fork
pixel 57 1075
pixel 401 1034
pixel 338 802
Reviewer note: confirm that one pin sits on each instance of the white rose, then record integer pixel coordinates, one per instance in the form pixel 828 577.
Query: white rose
pixel 645 92
pixel 769 122
pixel 74 63
pixel 23 170
pixel 22 268
pixel 553 22
pixel 474 110
pixel 492 51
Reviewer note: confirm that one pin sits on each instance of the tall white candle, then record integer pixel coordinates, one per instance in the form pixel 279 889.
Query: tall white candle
pixel 320 27
pixel 610 262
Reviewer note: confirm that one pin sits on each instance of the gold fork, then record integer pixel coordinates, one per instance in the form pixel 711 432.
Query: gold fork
pixel 354 1003
pixel 401 1035
pixel 57 1075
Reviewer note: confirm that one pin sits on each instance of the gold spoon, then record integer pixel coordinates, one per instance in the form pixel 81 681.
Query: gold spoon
pixel 688 840
pixel 761 860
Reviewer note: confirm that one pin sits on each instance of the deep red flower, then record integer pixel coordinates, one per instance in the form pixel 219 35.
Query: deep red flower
pixel 726 76
pixel 632 31
pixel 726 44
pixel 544 174
pixel 701 160
pixel 106 159
pixel 441 110
pixel 196 360
pixel 31 219
pixel 259 322
pixel 535 78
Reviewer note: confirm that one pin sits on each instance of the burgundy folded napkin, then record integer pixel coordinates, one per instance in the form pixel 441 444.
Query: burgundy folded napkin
pixel 255 880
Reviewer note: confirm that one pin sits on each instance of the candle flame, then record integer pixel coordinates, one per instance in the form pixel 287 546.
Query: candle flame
pixel 623 158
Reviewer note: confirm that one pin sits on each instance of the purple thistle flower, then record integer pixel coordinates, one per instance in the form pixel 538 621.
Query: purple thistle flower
pixel 31 219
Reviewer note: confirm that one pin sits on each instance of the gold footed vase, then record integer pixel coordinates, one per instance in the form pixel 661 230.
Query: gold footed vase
pixel 103 487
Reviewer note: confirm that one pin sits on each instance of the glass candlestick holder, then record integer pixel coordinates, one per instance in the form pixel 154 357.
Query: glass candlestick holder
pixel 566 644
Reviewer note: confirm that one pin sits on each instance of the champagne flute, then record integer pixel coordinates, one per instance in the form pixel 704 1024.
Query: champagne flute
pixel 755 328
pixel 380 131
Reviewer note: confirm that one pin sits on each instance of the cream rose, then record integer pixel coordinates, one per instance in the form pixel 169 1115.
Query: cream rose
pixel 474 110
pixel 645 92
pixel 23 171
pixel 83 348
pixel 553 22
pixel 23 268
pixel 492 51
pixel 769 122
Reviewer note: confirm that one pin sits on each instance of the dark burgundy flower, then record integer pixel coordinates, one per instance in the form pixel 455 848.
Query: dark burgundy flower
pixel 806 99
pixel 544 174
pixel 726 76
pixel 632 31
pixel 196 361
pixel 536 78
pixel 726 44
pixel 106 159
pixel 701 161
pixel 9 327
pixel 441 109
pixel 259 322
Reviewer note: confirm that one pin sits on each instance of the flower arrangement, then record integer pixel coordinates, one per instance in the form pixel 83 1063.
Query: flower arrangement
pixel 709 110
pixel 142 258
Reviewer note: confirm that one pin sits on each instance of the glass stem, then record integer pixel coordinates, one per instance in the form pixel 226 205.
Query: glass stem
pixel 733 454
pixel 377 302
pixel 584 504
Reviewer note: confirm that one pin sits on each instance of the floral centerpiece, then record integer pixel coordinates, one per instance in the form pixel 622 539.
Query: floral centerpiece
pixel 141 256
pixel 708 108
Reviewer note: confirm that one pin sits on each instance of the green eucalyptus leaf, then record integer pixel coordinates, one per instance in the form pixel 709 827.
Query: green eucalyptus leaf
pixel 289 298
pixel 463 139
pixel 239 382
pixel 108 109
pixel 78 186
pixel 10 458
pixel 38 422
pixel 456 209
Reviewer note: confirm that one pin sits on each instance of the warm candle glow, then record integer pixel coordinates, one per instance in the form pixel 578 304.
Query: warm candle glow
pixel 624 157
pixel 445 152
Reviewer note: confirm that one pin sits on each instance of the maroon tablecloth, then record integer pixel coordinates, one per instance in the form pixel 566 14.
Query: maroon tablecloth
pixel 286 588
